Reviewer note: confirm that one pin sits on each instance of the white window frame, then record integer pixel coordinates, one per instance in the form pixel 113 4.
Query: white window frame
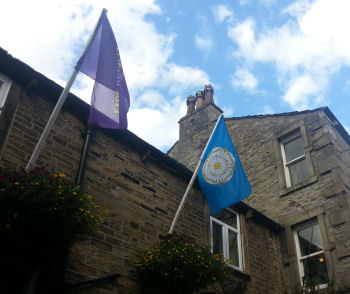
pixel 301 258
pixel 4 90
pixel 291 162
pixel 225 229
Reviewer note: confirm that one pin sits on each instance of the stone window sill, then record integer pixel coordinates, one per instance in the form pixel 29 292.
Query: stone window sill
pixel 309 181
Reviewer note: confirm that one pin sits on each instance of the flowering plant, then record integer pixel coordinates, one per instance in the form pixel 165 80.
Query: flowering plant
pixel 42 213
pixel 178 266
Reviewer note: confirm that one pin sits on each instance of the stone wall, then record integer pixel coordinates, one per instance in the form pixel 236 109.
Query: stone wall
pixel 263 258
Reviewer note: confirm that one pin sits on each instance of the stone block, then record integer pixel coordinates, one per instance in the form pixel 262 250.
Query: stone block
pixel 343 248
pixel 327 160
pixel 334 189
pixel 339 216
pixel 322 141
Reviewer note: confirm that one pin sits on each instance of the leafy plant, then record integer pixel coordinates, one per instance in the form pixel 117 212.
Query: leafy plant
pixel 176 265
pixel 42 213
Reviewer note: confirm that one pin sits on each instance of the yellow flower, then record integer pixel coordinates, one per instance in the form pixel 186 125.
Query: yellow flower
pixel 74 193
pixel 16 183
pixel 55 175
pixel 62 175
pixel 90 197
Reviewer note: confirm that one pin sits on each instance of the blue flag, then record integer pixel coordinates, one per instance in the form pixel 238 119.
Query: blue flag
pixel 221 176
pixel 110 99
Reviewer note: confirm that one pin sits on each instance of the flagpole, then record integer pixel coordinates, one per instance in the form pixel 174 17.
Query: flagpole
pixel 189 187
pixel 59 105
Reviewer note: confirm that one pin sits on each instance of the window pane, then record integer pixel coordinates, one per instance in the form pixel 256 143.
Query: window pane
pixel 298 172
pixel 310 240
pixel 294 149
pixel 227 217
pixel 233 248
pixel 315 270
pixel 217 238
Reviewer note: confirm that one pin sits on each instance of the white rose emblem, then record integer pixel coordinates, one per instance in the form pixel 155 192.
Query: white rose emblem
pixel 218 168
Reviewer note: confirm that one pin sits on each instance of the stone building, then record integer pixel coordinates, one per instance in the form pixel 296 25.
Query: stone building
pixel 298 165
pixel 140 185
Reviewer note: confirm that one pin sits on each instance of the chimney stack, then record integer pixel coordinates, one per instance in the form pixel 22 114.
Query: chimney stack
pixel 191 104
pixel 200 98
pixel 209 94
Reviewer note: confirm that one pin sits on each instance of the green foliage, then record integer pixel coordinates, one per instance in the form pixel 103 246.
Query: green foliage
pixel 42 213
pixel 178 266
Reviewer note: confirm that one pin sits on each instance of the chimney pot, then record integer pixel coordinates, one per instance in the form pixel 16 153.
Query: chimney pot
pixel 209 94
pixel 191 104
pixel 200 98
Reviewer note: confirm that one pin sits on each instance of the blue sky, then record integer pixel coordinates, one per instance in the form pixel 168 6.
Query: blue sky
pixel 261 56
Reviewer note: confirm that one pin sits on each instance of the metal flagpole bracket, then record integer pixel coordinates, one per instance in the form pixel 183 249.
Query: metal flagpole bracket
pixel 88 135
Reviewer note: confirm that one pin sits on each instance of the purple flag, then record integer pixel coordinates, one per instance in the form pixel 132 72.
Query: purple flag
pixel 110 99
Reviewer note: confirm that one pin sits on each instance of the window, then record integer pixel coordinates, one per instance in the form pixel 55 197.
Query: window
pixel 226 237
pixel 294 159
pixel 5 84
pixel 310 253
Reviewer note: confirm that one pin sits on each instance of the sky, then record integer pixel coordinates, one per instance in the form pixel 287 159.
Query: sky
pixel 261 56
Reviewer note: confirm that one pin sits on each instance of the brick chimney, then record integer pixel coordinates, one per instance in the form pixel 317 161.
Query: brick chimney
pixel 191 104
pixel 200 98
pixel 209 94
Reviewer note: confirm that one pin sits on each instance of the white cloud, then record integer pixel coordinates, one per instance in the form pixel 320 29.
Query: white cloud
pixel 254 2
pixel 306 51
pixel 157 124
pixel 178 78
pixel 302 91
pixel 243 2
pixel 203 43
pixel 49 35
pixel 298 8
pixel 267 2
pixel 204 37
pixel 245 80
pixel 228 111
pixel 266 109
pixel 222 13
